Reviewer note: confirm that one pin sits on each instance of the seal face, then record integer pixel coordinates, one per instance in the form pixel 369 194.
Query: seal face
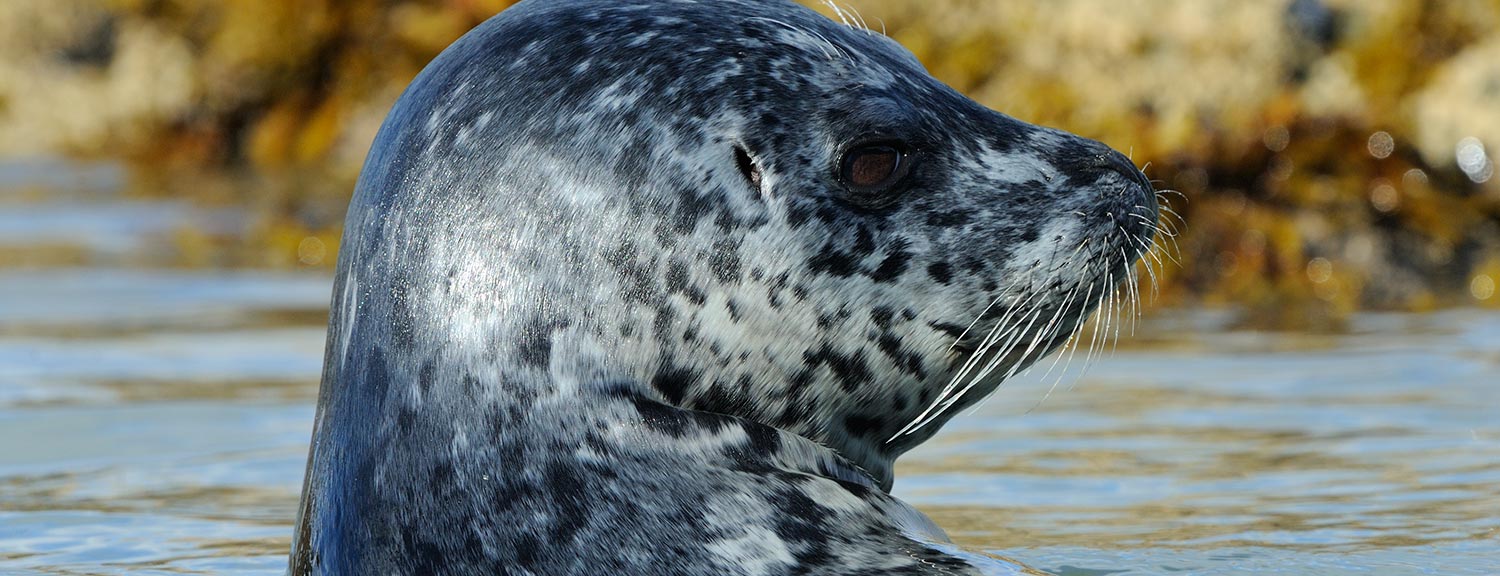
pixel 665 286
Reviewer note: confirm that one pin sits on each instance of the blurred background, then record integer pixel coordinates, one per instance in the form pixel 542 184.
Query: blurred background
pixel 1312 386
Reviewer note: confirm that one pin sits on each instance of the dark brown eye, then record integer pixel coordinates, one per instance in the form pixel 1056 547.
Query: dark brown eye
pixel 873 167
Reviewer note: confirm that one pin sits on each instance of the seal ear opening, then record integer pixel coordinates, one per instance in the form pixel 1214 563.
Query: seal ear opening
pixel 747 166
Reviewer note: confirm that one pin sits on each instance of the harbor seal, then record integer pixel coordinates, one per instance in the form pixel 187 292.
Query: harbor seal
pixel 665 287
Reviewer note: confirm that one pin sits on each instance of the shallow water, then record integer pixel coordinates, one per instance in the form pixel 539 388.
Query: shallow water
pixel 154 420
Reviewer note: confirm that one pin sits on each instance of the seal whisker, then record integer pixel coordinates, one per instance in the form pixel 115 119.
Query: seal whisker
pixel 860 18
pixel 1001 329
pixel 837 11
pixel 976 320
pixel 1162 192
pixel 1013 337
pixel 1047 332
pixel 1069 349
pixel 1100 338
pixel 1008 327
pixel 1133 270
pixel 848 15
pixel 1148 221
pixel 1172 217
pixel 991 305
pixel 1119 308
pixel 1160 253
pixel 1135 290
pixel 1159 230
pixel 1170 232
pixel 821 40
pixel 1167 209
pixel 1112 316
pixel 1074 331
pixel 1150 253
pixel 1095 329
pixel 1169 252
pixel 994 362
pixel 1005 327
pixel 1070 344
pixel 1173 223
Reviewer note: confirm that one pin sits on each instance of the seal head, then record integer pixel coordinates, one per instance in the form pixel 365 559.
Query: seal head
pixel 666 286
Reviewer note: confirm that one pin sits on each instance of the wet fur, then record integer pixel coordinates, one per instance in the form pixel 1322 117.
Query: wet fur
pixel 570 336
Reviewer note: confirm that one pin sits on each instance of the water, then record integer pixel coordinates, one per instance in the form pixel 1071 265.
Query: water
pixel 155 419
pixel 1205 451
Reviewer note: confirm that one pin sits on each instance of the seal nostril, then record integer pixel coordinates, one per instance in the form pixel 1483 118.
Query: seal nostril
pixel 1122 164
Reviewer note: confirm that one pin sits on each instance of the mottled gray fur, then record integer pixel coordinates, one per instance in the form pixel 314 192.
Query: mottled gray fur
pixel 605 306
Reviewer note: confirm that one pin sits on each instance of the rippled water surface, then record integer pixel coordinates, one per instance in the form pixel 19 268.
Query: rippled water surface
pixel 154 420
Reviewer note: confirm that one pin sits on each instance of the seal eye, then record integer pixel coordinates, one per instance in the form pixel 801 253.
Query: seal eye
pixel 873 167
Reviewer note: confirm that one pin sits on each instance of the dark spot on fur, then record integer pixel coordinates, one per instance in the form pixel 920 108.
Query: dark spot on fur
pixel 861 426
pixel 941 272
pixel 894 264
pixel 679 281
pixel 725 262
pixel 953 330
pixel 442 475
pixel 773 292
pixel 573 511
pixel 406 420
pixel 831 260
pixel 661 325
pixel 426 376
pixel 974 265
pixel 526 548
pixel 661 418
pixel 849 369
pixel 534 348
pixel 423 555
pixel 763 441
pixel 1031 234
pixel 800 521
pixel 908 362
pixel 691 207
pixel 948 219
pixel 673 382
pixel 864 242
pixel 403 319
pixel 800 292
